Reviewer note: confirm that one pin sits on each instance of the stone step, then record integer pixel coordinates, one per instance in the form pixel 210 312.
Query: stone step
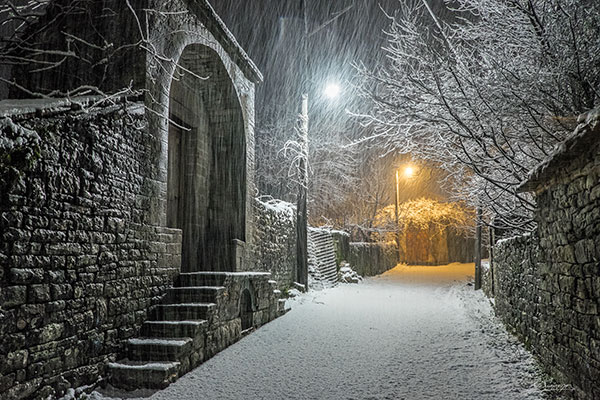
pixel 131 375
pixel 183 311
pixel 158 349
pixel 173 329
pixel 203 278
pixel 281 309
pixel 194 294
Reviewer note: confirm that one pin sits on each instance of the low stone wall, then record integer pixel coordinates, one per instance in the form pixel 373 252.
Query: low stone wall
pixel 370 259
pixel 79 263
pixel 518 286
pixel 341 245
pixel 552 306
pixel 224 325
pixel 275 240
pixel 547 285
pixel 487 277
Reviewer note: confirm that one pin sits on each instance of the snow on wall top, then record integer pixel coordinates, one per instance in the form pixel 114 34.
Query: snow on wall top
pixel 14 107
pixel 587 132
pixel 280 207
pixel 508 240
pixel 327 229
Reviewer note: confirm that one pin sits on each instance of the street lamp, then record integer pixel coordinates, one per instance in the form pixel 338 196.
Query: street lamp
pixel 301 206
pixel 408 172
pixel 332 90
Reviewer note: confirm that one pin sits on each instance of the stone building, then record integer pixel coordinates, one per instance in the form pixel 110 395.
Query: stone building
pixel 127 215
pixel 547 284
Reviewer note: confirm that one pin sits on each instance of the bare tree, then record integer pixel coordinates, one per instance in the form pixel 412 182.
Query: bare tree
pixel 488 94
pixel 66 48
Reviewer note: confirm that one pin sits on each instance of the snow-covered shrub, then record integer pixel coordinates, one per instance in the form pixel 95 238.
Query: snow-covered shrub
pixel 348 275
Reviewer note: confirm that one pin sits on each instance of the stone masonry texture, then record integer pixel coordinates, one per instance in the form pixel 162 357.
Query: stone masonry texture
pixel 547 285
pixel 85 253
pixel 171 30
pixel 370 259
pixel 80 266
pixel 275 243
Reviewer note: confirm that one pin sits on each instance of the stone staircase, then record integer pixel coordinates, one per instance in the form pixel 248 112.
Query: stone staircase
pixel 203 314
pixel 321 258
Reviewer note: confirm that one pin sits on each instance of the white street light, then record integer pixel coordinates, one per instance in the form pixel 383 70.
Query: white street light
pixel 332 90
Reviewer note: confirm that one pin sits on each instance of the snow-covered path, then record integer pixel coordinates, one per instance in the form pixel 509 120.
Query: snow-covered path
pixel 412 333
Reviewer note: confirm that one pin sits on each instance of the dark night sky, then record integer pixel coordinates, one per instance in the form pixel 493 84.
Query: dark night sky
pixel 271 32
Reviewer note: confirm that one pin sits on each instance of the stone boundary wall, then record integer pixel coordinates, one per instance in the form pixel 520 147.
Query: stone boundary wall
pixel 80 265
pixel 552 308
pixel 487 276
pixel 547 285
pixel 275 240
pixel 370 259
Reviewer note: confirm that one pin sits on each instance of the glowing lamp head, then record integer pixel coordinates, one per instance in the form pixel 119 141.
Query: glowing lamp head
pixel 409 172
pixel 332 90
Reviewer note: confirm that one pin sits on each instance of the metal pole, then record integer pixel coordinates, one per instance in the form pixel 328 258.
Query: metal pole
pixel 398 214
pixel 492 240
pixel 302 214
pixel 301 207
pixel 478 251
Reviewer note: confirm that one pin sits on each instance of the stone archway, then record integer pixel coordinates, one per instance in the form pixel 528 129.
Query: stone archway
pixel 206 177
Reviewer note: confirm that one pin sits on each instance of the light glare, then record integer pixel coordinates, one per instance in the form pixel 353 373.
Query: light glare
pixel 332 90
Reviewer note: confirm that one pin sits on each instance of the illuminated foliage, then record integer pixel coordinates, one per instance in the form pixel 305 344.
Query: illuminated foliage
pixel 424 214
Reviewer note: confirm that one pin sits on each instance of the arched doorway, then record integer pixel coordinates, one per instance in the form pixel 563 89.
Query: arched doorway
pixel 206 177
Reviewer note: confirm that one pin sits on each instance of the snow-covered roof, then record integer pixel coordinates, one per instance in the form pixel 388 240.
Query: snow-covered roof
pixel 586 134
pixel 217 27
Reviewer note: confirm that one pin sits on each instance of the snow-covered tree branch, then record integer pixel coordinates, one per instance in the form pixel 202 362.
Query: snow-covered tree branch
pixel 66 48
pixel 488 94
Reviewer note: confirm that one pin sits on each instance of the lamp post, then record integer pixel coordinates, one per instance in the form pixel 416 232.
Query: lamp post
pixel 301 206
pixel 301 209
pixel 332 90
pixel 408 173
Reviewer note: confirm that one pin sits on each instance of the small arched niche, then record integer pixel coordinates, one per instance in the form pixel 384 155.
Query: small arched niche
pixel 246 309
pixel 206 177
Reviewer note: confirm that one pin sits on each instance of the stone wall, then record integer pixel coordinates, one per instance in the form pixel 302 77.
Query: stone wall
pixel 487 276
pixel 115 59
pixel 521 297
pixel 547 286
pixel 370 259
pixel 552 309
pixel 79 264
pixel 275 240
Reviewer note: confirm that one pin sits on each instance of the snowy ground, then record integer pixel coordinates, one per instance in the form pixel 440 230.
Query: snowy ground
pixel 412 333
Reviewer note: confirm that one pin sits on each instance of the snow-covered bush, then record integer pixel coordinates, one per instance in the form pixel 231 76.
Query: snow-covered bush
pixel 348 275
